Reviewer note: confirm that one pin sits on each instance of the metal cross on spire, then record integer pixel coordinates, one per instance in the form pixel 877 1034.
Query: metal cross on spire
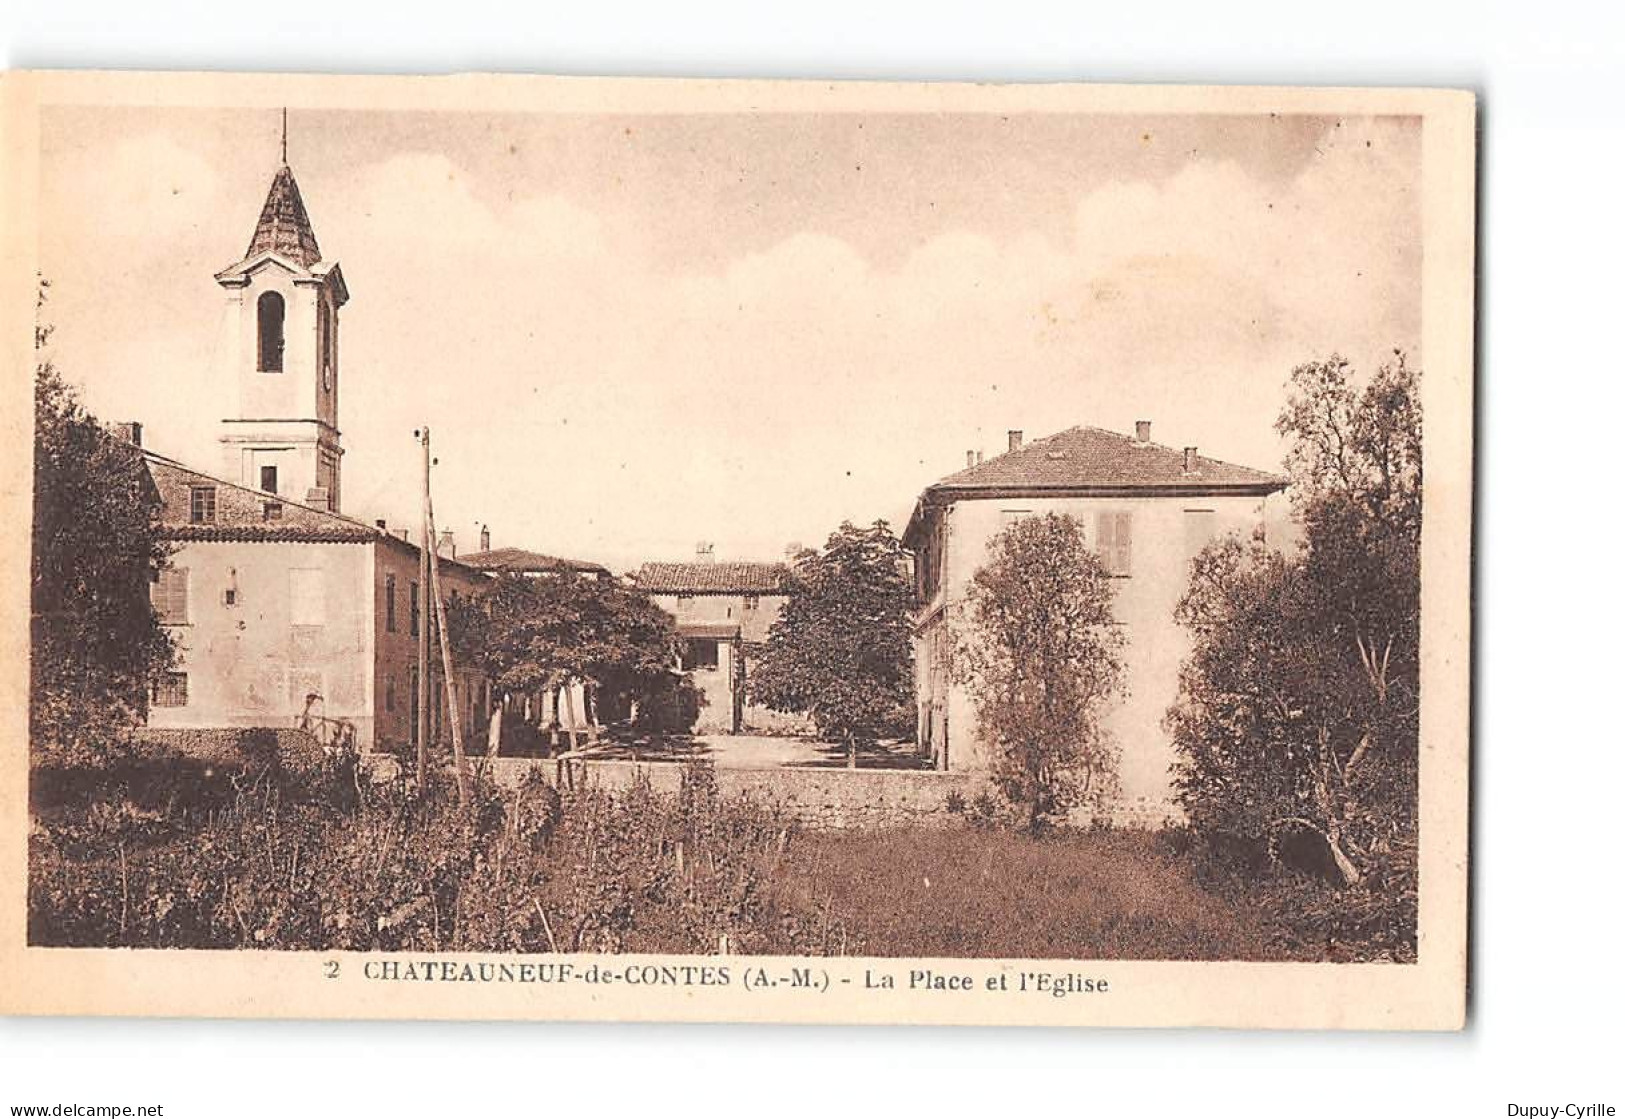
pixel 284 135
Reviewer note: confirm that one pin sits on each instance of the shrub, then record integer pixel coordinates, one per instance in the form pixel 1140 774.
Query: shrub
pixel 1042 658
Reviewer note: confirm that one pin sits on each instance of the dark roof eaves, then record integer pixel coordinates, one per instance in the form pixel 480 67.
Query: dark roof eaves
pixel 693 592
pixel 204 534
pixel 962 491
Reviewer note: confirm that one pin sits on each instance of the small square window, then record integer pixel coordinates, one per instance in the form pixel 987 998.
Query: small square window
pixel 169 690
pixel 752 601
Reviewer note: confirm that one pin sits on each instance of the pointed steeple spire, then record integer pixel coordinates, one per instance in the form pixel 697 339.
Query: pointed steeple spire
pixel 284 227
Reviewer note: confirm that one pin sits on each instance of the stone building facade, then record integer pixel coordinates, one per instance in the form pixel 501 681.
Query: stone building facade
pixel 722 610
pixel 1146 509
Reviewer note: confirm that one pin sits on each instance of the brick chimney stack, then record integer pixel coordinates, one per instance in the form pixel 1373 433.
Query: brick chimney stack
pixel 448 545
pixel 1142 430
pixel 129 431
pixel 1015 440
pixel 485 538
pixel 1190 460
pixel 970 458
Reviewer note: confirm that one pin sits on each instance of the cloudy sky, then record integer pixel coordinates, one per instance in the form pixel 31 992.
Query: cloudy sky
pixel 631 333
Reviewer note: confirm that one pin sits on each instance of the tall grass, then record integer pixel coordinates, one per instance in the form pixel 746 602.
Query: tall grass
pixel 178 856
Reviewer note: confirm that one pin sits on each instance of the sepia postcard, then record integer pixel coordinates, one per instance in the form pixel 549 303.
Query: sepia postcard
pixel 533 548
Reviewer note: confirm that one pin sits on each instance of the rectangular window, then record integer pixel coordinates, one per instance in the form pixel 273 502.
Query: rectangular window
pixel 699 652
pixel 202 505
pixel 169 690
pixel 268 479
pixel 753 601
pixel 170 596
pixel 1114 541
pixel 307 597
pixel 417 609
pixel 389 603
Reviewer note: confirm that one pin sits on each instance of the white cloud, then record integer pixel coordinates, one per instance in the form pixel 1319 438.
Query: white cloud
pixel 588 401
pixel 145 186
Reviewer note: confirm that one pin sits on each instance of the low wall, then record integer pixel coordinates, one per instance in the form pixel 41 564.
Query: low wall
pixel 236 745
pixel 826 798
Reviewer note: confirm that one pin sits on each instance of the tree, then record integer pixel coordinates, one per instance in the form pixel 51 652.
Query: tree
pixel 1039 650
pixel 1298 706
pixel 839 651
pixel 96 643
pixel 531 635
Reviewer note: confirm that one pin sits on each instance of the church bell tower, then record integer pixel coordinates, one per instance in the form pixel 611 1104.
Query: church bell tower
pixel 282 345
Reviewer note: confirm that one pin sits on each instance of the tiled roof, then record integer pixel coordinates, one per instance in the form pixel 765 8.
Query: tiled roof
pixel 239 512
pixel 1088 457
pixel 284 227
pixel 271 532
pixel 518 560
pixel 712 578
pixel 239 515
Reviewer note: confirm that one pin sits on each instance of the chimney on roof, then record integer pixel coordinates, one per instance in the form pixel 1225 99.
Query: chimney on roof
pixel 447 546
pixel 485 538
pixel 1190 460
pixel 383 525
pixel 705 552
pixel 1015 440
pixel 1142 430
pixel 318 497
pixel 978 458
pixel 129 431
pixel 970 458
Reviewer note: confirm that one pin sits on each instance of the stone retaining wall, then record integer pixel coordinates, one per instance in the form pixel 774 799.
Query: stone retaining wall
pixel 815 797
pixel 829 798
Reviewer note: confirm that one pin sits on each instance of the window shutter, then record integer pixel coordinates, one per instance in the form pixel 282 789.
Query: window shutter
pixel 1124 540
pixel 1104 537
pixel 169 598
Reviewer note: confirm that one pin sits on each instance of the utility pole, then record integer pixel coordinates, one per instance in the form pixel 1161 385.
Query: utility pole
pixel 460 758
pixel 427 543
